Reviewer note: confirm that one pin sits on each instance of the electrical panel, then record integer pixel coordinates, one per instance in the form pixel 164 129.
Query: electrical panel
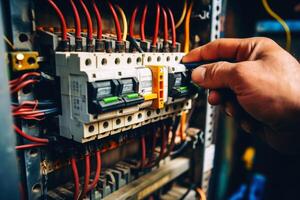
pixel 102 106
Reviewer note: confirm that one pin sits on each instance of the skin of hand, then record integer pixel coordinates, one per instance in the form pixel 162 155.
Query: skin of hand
pixel 265 84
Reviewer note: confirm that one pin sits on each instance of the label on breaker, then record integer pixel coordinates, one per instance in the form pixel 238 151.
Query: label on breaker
pixel 209 155
pixel 77 95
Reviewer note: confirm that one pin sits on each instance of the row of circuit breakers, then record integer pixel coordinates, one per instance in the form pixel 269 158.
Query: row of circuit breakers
pixel 104 94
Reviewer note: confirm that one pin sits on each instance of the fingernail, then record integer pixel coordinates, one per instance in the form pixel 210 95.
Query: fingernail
pixel 198 75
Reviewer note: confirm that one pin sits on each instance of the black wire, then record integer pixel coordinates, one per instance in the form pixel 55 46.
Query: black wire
pixel 180 149
pixel 135 44
pixel 192 187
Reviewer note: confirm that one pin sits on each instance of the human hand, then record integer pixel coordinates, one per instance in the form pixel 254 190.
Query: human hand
pixel 265 81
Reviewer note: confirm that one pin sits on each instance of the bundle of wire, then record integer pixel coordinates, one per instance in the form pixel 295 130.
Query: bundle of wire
pixel 34 110
pixel 165 148
pixel 24 81
pixel 30 110
pixel 38 141
pixel 87 187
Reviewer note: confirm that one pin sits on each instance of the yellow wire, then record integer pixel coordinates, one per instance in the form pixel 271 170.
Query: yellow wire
pixel 282 22
pixel 182 15
pixel 10 44
pixel 187 29
pixel 201 194
pixel 125 26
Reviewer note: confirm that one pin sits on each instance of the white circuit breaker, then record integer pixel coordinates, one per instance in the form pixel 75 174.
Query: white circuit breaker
pixel 104 94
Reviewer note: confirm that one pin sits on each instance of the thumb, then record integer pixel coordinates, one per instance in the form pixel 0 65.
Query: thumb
pixel 214 75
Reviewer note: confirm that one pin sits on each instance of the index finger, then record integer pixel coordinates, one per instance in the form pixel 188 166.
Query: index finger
pixel 216 50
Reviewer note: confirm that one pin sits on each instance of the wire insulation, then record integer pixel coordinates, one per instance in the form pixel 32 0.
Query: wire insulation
pixel 143 21
pixel 117 22
pixel 98 171
pixel 99 20
pixel 132 21
pixel 181 19
pixel 29 137
pixel 29 146
pixel 187 29
pixel 156 28
pixel 143 146
pixel 166 29
pixel 172 28
pixel 62 20
pixel 282 22
pixel 86 176
pixel 88 19
pixel 76 178
pixel 163 143
pixel 76 19
pixel 201 194
pixel 125 25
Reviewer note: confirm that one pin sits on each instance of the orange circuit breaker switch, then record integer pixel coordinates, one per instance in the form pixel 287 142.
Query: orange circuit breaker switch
pixel 158 86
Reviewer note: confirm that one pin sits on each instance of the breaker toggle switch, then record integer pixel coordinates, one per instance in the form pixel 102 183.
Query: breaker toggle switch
pixel 129 91
pixel 178 86
pixel 104 96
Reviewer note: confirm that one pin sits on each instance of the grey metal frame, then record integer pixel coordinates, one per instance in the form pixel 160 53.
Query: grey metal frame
pixel 9 184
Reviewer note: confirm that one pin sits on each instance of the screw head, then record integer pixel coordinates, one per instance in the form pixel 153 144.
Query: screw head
pixel 20 56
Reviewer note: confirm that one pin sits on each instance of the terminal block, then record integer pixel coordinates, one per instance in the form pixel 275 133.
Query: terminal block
pixel 24 60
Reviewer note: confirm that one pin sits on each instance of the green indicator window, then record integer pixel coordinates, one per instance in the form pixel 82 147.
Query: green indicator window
pixel 110 99
pixel 133 96
pixel 183 88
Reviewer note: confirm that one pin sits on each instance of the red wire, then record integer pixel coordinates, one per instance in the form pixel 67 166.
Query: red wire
pixel 143 145
pixel 173 27
pixel 163 143
pixel 24 76
pixel 87 175
pixel 76 178
pixel 132 21
pixel 153 145
pixel 62 20
pixel 142 25
pixel 156 28
pixel 166 29
pixel 77 20
pixel 99 20
pixel 153 149
pixel 22 85
pixel 26 111
pixel 29 137
pixel 117 22
pixel 26 105
pixel 29 146
pixel 88 19
pixel 30 115
pixel 98 170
